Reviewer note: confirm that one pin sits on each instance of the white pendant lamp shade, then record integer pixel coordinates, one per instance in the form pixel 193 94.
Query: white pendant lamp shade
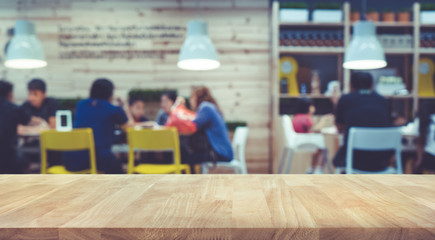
pixel 364 51
pixel 25 50
pixel 198 52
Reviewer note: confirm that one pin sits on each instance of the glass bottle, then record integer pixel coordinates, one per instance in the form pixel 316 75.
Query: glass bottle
pixel 315 82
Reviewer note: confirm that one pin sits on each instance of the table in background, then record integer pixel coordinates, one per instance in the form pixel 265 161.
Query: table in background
pixel 217 206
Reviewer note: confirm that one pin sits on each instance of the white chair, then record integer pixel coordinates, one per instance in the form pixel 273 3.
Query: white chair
pixel 374 139
pixel 300 142
pixel 239 162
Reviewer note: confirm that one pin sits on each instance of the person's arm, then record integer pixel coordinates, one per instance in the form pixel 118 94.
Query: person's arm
pixel 424 122
pixel 204 116
pixel 121 118
pixel 339 116
pixel 52 122
pixel 29 125
pixel 325 121
pixel 424 113
pixel 36 121
pixel 52 109
pixel 147 124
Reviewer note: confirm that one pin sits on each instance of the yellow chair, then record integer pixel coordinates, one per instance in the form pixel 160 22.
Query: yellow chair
pixel 155 140
pixel 75 140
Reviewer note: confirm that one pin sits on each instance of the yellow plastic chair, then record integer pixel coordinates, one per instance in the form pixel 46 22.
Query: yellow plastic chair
pixel 75 140
pixel 155 140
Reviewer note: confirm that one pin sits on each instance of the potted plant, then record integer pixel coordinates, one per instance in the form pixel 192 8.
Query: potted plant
pixel 427 14
pixel 232 125
pixel 355 15
pixel 151 98
pixel 372 15
pixel 293 12
pixel 68 104
pixel 404 15
pixel 327 12
pixel 388 15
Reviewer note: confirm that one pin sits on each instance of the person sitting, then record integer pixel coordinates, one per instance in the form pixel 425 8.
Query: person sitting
pixel 10 117
pixel 136 107
pixel 210 140
pixel 167 100
pixel 43 110
pixel 98 113
pixel 363 107
pixel 426 148
pixel 303 123
pixel 39 105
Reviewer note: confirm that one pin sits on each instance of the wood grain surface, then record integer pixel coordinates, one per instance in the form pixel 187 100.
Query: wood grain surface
pixel 217 207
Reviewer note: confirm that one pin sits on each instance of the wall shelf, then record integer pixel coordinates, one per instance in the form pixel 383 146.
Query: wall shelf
pixel 427 51
pixel 310 24
pixel 312 50
pixel 409 96
pixel 313 96
pixel 398 50
pixel 409 68
pixel 428 25
pixel 392 24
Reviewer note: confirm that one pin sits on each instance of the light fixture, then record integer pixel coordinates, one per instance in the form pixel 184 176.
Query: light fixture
pixel 198 52
pixel 364 51
pixel 25 51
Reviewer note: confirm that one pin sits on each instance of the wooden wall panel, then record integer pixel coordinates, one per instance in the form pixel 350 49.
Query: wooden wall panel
pixel 239 29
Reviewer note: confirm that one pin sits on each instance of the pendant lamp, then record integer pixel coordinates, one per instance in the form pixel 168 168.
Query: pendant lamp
pixel 364 51
pixel 198 52
pixel 25 50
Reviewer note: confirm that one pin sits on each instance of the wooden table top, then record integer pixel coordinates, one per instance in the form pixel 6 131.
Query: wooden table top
pixel 217 206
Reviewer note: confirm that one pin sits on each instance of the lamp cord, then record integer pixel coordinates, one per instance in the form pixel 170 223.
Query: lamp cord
pixel 197 5
pixel 363 9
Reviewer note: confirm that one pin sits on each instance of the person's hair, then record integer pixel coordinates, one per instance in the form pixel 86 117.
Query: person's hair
pixel 37 84
pixel 133 99
pixel 304 105
pixel 102 88
pixel 361 80
pixel 203 94
pixel 5 88
pixel 172 95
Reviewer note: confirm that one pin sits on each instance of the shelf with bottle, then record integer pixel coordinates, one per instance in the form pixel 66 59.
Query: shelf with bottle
pixel 309 89
pixel 427 42
pixel 310 40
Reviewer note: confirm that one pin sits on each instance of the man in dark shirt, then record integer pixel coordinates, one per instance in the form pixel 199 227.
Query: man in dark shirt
pixel 98 113
pixel 39 105
pixel 426 146
pixel 43 111
pixel 10 117
pixel 362 108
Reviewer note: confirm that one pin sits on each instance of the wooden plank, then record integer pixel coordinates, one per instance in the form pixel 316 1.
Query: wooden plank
pixel 218 206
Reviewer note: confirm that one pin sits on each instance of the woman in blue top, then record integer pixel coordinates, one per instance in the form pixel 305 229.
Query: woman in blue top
pixel 209 120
